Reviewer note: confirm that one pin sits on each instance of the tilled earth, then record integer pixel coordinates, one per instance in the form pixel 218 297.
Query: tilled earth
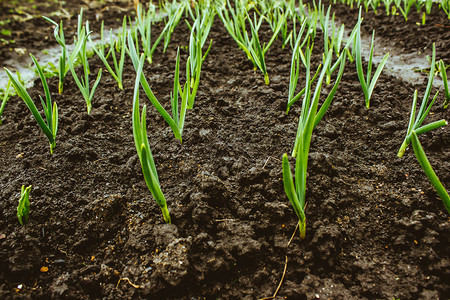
pixel 410 36
pixel 375 226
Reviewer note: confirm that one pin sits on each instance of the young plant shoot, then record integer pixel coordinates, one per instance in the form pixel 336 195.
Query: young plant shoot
pixel 50 125
pixel 313 18
pixel 258 51
pixel 176 121
pixel 144 29
pixel 199 32
pixel 174 12
pixel 235 24
pixel 83 83
pixel 443 72
pixel 282 17
pixel 278 20
pixel 407 4
pixel 295 67
pixel 143 148
pixel 415 123
pixel 330 43
pixel 205 16
pixel 63 65
pixel 445 5
pixel 23 209
pixel 308 120
pixel 236 27
pixel 387 6
pixel 352 40
pixel 367 84
pixel 118 45
pixel 426 166
pixel 5 99
pixel 295 63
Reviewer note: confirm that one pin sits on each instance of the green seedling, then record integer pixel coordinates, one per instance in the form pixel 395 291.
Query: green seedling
pixel 279 19
pixel 330 43
pixel 308 19
pixel 308 120
pixel 194 67
pixel 23 209
pixel 236 27
pixel 426 166
pixel 443 72
pixel 143 148
pixel 387 6
pixel 258 51
pixel 176 121
pixel 235 24
pixel 374 4
pixel 5 99
pixel 295 69
pixel 50 126
pixel 352 41
pixel 83 83
pixel 415 123
pixel 205 16
pixel 295 64
pixel 368 83
pixel 144 29
pixel 199 34
pixel 407 4
pixel 118 45
pixel 445 5
pixel 174 12
pixel 63 64
pixel 428 6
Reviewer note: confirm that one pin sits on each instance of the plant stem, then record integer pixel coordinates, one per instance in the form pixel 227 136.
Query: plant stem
pixel 426 166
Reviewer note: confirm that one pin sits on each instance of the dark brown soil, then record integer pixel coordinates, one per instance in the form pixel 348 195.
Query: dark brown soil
pixel 376 228
pixel 409 36
pixel 24 30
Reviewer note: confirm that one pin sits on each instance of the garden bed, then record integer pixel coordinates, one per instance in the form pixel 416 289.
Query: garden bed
pixel 375 226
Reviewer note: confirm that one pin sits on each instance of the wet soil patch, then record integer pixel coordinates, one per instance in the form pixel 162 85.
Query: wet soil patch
pixel 375 226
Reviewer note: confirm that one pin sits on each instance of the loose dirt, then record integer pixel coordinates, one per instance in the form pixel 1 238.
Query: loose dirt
pixel 375 226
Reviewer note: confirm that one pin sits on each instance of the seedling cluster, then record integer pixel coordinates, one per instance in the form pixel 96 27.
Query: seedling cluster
pixel 403 7
pixel 292 22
